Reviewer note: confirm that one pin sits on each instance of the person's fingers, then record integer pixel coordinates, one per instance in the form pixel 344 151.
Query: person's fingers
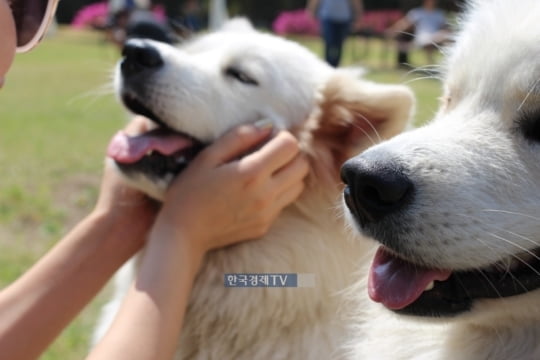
pixel 137 126
pixel 293 172
pixel 290 180
pixel 235 143
pixel 288 196
pixel 274 154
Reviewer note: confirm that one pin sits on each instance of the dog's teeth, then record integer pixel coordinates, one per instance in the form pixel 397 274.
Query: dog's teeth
pixel 430 286
pixel 149 152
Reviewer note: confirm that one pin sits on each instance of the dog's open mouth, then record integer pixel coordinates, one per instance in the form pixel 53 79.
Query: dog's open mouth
pixel 411 289
pixel 157 153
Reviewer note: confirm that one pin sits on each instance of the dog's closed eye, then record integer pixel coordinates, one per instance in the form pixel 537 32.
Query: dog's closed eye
pixel 529 124
pixel 241 76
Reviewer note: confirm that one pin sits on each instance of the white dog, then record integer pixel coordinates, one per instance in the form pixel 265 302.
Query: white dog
pixel 196 93
pixel 455 205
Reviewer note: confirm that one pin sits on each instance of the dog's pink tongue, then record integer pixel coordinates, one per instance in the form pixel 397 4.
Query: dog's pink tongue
pixel 129 149
pixel 396 283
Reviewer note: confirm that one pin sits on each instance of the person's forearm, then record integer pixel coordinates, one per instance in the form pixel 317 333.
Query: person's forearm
pixel 154 307
pixel 35 308
pixel 312 6
pixel 358 7
pixel 400 26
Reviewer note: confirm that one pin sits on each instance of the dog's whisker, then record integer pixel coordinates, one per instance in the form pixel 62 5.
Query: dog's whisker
pixel 366 133
pixel 410 72
pixel 438 46
pixel 531 90
pixel 508 270
pixel 491 247
pixel 512 213
pixel 524 263
pixel 463 286
pixel 379 138
pixel 417 70
pixel 525 250
pixel 433 77
pixel 516 280
pixel 536 243
pixel 425 68
pixel 93 94
pixel 481 272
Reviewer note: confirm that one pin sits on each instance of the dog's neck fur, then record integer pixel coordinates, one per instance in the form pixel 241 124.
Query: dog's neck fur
pixel 258 322
pixel 464 340
pixel 263 319
pixel 310 237
pixel 491 333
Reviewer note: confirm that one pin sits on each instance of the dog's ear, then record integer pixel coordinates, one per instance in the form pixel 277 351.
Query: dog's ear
pixel 238 24
pixel 353 114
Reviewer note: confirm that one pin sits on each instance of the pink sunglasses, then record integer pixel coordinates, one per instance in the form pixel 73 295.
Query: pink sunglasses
pixel 32 17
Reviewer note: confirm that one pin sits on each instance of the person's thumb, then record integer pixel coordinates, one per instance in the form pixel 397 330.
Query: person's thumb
pixel 237 142
pixel 137 126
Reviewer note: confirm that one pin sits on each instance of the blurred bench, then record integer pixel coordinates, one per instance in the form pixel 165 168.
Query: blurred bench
pixel 373 25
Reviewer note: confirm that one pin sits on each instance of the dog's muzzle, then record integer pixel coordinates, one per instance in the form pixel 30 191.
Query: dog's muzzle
pixel 158 154
pixel 139 56
pixel 378 194
pixel 375 190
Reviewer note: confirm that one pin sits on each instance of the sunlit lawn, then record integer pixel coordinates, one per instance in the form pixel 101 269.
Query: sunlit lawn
pixel 55 124
pixel 57 114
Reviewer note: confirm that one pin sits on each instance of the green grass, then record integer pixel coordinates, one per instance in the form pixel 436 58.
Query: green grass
pixel 54 129
pixel 55 122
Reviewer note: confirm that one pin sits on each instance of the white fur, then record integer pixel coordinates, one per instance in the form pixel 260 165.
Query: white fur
pixel 191 88
pixel 477 200
pixel 190 93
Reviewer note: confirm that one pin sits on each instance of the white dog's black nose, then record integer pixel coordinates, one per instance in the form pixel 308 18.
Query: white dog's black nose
pixel 375 188
pixel 139 55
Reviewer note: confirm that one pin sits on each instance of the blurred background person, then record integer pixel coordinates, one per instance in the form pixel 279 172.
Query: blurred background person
pixel 425 27
pixel 192 14
pixel 134 19
pixel 336 18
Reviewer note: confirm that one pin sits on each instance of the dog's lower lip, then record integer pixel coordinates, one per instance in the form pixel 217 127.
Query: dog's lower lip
pixel 458 293
pixel 130 149
pixel 137 107
pixel 154 163
pixel 159 166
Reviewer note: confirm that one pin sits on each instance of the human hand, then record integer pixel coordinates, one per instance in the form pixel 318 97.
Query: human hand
pixel 389 33
pixel 220 200
pixel 130 211
pixel 311 8
pixel 312 13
